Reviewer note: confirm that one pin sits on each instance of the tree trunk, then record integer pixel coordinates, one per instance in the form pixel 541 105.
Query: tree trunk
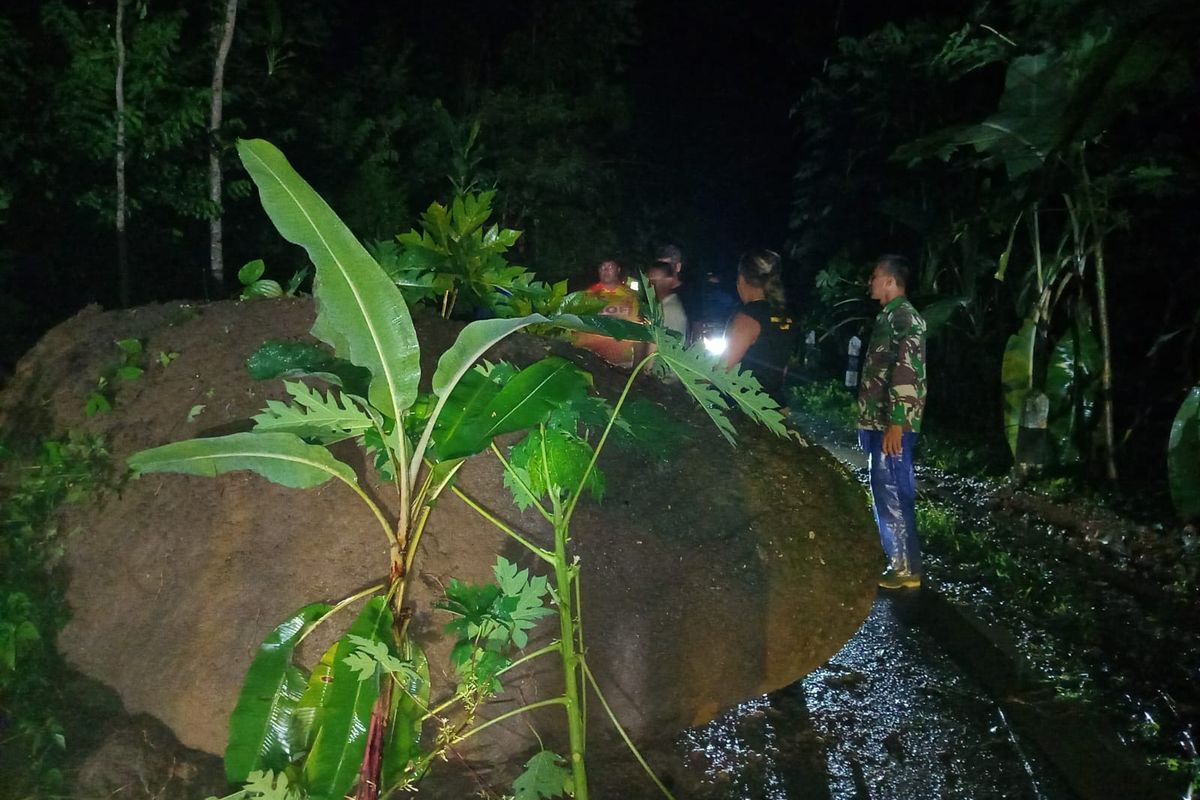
pixel 1110 462
pixel 122 250
pixel 215 234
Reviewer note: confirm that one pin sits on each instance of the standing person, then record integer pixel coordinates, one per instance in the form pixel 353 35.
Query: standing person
pixel 689 291
pixel 619 301
pixel 662 278
pixel 891 402
pixel 759 335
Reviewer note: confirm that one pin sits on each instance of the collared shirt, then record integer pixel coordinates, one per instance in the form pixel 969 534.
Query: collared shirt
pixel 892 391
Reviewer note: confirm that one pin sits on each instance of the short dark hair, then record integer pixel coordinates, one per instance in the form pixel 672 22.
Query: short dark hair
pixel 669 253
pixel 898 267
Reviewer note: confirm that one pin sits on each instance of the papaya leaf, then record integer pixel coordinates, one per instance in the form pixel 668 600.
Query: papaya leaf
pixel 1183 456
pixel 267 785
pixel 326 418
pixel 276 359
pixel 372 656
pixel 260 724
pixel 546 775
pixel 714 386
pixel 332 765
pixel 553 461
pixel 410 702
pixel 360 312
pixel 523 603
pixel 1016 377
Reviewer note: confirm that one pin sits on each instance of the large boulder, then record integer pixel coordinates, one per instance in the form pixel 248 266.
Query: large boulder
pixel 708 578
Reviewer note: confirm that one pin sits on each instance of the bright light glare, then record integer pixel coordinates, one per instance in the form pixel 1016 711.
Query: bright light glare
pixel 633 285
pixel 715 344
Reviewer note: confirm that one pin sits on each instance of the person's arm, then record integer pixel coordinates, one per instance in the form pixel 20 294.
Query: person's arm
pixel 743 331
pixel 907 382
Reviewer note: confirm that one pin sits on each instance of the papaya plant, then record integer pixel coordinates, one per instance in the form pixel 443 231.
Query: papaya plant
pixel 457 258
pixel 357 720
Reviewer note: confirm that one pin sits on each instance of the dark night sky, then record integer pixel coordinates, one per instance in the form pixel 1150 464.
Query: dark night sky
pixel 712 85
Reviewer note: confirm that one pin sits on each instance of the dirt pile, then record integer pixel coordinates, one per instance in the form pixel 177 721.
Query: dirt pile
pixel 707 578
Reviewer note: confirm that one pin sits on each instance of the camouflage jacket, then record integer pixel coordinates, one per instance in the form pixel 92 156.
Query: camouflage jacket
pixel 892 390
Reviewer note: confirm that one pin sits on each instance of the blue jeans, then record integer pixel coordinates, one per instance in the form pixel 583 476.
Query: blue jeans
pixel 894 497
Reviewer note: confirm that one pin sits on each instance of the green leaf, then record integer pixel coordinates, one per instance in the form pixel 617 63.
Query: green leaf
pixel 526 399
pixel 280 457
pixel 372 656
pixel 129 373
pixel 262 288
pixel 713 385
pixel 553 462
pixel 310 709
pixel 466 405
pixel 260 723
pixel 938 313
pixel 1183 456
pixel 1016 377
pixel 95 404
pixel 276 359
pixel 360 312
pixel 523 602
pixel 132 348
pixel 195 411
pixel 410 702
pixel 251 271
pixel 327 418
pixel 263 785
pixel 332 765
pixel 1072 386
pixel 546 775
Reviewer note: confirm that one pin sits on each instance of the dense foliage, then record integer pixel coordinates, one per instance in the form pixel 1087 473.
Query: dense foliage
pixel 1030 159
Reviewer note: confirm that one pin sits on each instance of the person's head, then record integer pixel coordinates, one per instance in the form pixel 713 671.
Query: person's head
pixel 759 277
pixel 662 277
pixel 609 272
pixel 890 277
pixel 671 255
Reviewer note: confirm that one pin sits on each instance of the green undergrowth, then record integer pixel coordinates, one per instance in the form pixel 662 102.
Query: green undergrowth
pixel 1065 622
pixel 34 699
pixel 826 400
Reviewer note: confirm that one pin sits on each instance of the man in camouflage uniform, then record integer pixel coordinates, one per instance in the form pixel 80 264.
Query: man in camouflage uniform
pixel 891 401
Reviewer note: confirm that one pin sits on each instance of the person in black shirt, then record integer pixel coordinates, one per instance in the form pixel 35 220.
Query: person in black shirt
pixel 760 335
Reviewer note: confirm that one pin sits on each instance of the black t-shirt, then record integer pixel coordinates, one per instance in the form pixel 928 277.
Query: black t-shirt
pixel 767 358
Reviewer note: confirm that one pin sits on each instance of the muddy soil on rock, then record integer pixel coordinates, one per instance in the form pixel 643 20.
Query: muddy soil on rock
pixel 709 577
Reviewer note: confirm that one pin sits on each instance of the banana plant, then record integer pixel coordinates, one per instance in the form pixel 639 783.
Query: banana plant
pixel 355 721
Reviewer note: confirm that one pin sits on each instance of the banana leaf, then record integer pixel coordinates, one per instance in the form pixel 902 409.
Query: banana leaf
pixel 410 701
pixel 469 400
pixel 525 401
pixel 279 457
pixel 1016 377
pixel 360 312
pixel 338 747
pixel 276 359
pixel 259 727
pixel 1072 378
pixel 1183 456
pixel 308 714
pixel 938 313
